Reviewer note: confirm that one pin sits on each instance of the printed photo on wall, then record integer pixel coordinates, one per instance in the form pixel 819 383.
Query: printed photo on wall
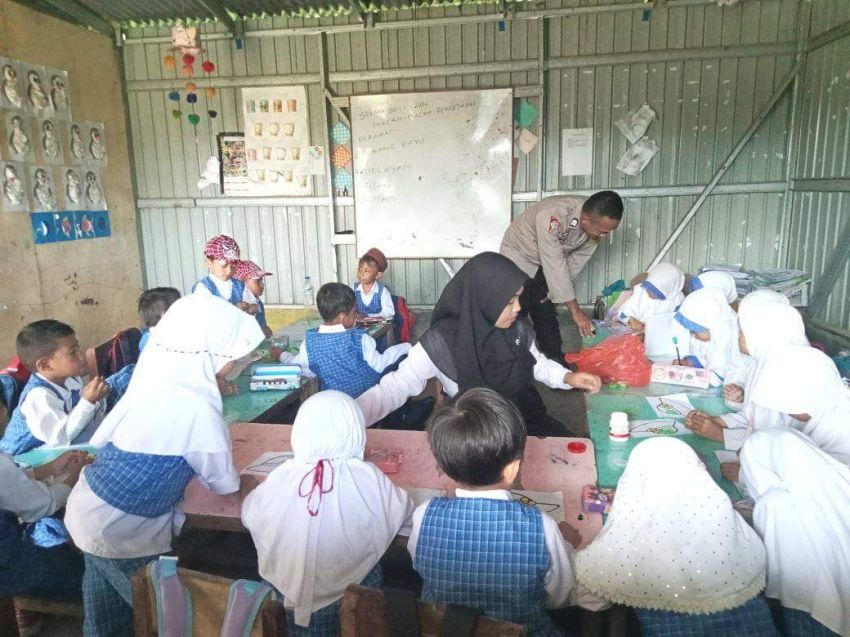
pixel 73 187
pixel 51 227
pixel 233 164
pixel 277 136
pixel 50 145
pixel 11 97
pixel 38 103
pixel 17 137
pixel 76 144
pixel 93 199
pixel 13 190
pixel 41 184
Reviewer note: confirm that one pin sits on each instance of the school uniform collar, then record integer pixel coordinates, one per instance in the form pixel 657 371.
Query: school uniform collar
pixel 331 329
pixel 71 384
pixel 495 494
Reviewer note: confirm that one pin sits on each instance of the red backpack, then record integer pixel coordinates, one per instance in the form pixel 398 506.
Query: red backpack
pixel 403 321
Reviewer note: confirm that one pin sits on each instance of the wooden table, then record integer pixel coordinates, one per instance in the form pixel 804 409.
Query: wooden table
pixel 547 467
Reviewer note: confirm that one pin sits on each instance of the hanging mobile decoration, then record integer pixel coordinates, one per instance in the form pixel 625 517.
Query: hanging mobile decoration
pixel 186 43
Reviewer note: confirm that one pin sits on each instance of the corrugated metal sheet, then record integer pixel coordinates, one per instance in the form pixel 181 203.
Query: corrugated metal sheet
pixel 704 105
pixel 820 218
pixel 828 14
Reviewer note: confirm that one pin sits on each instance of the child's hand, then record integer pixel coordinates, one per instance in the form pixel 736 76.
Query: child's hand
pixel 95 389
pixel 267 332
pixel 733 393
pixel 636 325
pixel 684 362
pixel 570 533
pixel 581 380
pixel 68 463
pixel 730 470
pixel 226 388
pixel 704 425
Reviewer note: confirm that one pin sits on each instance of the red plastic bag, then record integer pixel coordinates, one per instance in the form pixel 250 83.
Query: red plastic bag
pixel 617 359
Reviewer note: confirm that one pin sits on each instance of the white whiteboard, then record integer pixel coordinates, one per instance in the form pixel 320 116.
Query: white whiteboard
pixel 432 172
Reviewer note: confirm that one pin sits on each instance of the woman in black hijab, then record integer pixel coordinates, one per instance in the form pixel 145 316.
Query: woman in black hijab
pixel 477 339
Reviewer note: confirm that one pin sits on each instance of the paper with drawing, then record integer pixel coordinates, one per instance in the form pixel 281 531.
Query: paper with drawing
pixel 657 427
pixel 670 406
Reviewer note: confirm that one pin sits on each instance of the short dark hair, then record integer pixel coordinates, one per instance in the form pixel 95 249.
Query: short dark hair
pixel 333 299
pixel 154 302
pixel 368 258
pixel 605 203
pixel 40 339
pixel 476 436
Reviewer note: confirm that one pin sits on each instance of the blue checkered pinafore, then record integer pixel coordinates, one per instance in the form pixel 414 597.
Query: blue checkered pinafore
pixel 140 484
pixel 18 438
pixel 337 359
pixel 236 290
pixel 486 554
pixel 374 306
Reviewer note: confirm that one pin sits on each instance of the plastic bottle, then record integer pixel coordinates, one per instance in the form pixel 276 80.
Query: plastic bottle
pixel 308 291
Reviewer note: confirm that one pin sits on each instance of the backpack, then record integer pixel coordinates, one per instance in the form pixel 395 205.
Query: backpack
pixel 118 352
pixel 403 321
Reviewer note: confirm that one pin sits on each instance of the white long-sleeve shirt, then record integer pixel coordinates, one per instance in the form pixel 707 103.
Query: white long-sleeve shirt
pixel 45 412
pixel 27 498
pixel 225 289
pixel 100 529
pixel 415 371
pixel 374 359
pixel 387 307
pixel 559 581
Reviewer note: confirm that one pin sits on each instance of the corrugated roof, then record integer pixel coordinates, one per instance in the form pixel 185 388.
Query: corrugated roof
pixel 165 12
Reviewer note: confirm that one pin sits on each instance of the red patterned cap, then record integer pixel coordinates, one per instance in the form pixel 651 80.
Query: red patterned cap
pixel 379 258
pixel 223 248
pixel 244 270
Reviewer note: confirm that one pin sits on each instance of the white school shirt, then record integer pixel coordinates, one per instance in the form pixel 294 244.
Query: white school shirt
pixel 387 308
pixel 374 359
pixel 559 581
pixel 27 498
pixel 45 412
pixel 225 289
pixel 394 389
pixel 100 529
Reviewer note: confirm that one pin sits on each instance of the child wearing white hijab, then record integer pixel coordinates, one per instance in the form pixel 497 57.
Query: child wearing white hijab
pixel 767 322
pixel 802 513
pixel 715 279
pixel 814 396
pixel 660 293
pixel 322 520
pixel 714 335
pixel 675 550
pixel 166 429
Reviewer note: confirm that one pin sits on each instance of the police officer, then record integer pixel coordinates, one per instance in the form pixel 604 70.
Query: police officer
pixel 551 242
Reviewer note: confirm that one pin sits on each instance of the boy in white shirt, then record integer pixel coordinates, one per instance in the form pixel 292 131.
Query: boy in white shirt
pixel 373 297
pixel 343 357
pixel 55 408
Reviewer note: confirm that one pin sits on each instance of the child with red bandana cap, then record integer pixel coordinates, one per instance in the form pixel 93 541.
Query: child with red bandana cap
pixel 254 278
pixel 220 254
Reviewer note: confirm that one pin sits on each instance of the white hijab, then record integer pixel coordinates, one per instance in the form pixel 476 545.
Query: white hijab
pixel 173 404
pixel 666 279
pixel 718 280
pixel 767 322
pixel 672 540
pixel 802 513
pixel 707 308
pixel 804 380
pixel 314 542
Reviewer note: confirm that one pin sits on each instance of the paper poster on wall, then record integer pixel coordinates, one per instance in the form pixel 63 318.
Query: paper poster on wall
pixel 277 135
pixel 233 165
pixel 10 84
pixel 37 101
pixel 42 190
pixel 57 86
pixel 13 190
pixel 17 137
pixel 638 156
pixel 576 151
pixel 49 143
pixel 93 190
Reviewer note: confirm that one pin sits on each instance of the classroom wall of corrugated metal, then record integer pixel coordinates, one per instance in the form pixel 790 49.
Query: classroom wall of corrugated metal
pixel 707 71
pixel 820 219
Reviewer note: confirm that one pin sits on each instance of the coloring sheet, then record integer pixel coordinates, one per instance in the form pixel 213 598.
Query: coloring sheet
pixel 657 427
pixel 267 463
pixel 671 406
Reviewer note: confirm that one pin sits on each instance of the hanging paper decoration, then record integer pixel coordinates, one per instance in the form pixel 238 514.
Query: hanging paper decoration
pixel 208 66
pixel 194 118
pixel 341 157
pixel 192 98
pixel 209 91
pixel 188 71
pixel 212 114
pixel 187 44
pixel 176 114
pixel 170 61
pixel 340 134
pixel 186 40
pixel 191 87
pixel 174 96
pixel 343 182
pixel 188 59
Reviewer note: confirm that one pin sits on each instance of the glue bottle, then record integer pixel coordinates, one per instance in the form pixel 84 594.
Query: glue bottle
pixel 618 427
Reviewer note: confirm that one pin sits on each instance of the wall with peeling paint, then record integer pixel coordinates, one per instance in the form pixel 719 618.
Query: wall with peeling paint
pixel 92 285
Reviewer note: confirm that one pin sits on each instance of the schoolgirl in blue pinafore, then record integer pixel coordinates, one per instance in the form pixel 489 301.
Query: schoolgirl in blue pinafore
pixel 167 429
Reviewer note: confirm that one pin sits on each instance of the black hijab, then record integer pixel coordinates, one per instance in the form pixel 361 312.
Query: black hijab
pixel 463 340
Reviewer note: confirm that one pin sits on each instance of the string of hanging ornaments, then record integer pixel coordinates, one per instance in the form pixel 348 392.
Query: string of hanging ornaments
pixel 186 46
